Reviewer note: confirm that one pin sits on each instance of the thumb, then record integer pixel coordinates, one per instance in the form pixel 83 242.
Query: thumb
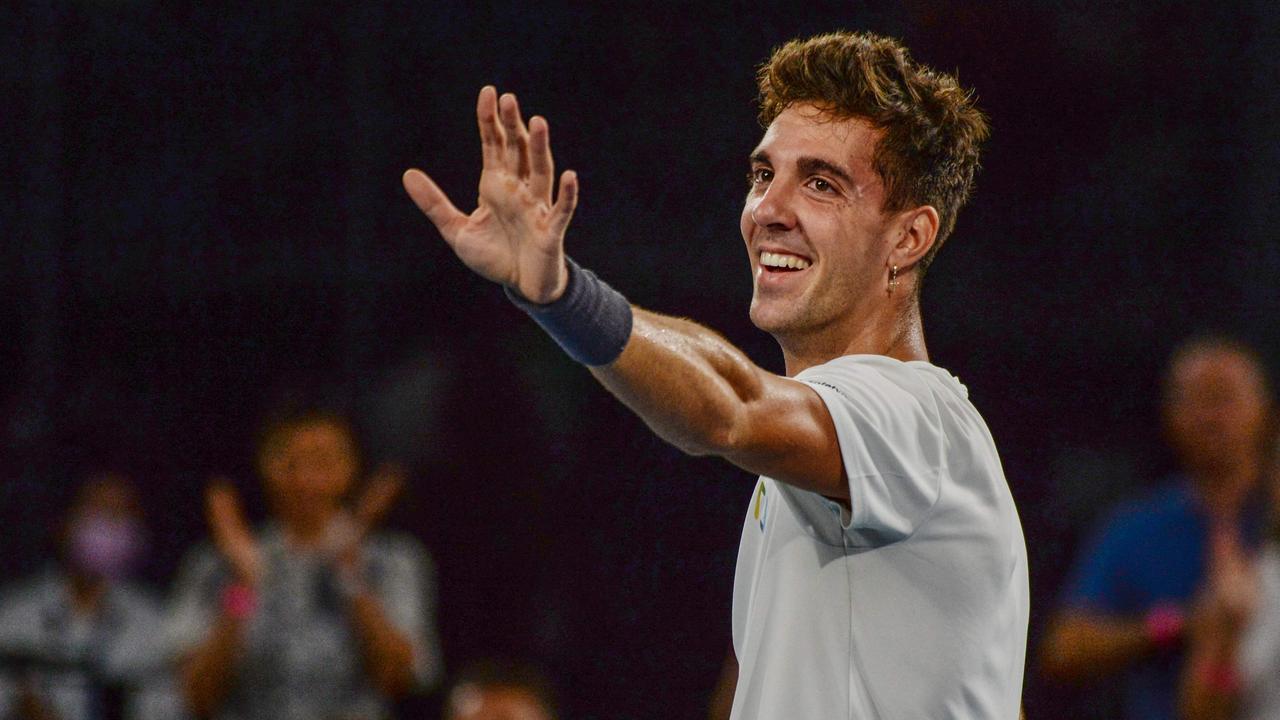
pixel 432 201
pixel 221 501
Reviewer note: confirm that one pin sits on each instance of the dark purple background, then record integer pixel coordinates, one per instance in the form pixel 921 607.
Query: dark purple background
pixel 202 207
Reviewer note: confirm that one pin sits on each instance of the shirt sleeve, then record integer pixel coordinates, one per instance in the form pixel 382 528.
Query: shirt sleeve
pixel 1094 583
pixel 892 446
pixel 136 650
pixel 8 696
pixel 404 579
pixel 1259 653
pixel 143 660
pixel 192 608
pixel 11 621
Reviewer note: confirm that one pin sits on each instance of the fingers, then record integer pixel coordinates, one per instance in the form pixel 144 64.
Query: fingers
pixel 517 135
pixel 226 516
pixel 492 137
pixel 509 144
pixel 542 168
pixel 562 211
pixel 432 201
pixel 231 532
pixel 378 497
pixel 221 502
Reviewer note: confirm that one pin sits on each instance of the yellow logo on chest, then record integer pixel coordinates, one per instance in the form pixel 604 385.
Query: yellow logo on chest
pixel 761 509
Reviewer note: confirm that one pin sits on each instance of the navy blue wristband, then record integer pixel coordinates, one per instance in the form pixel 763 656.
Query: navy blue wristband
pixel 591 320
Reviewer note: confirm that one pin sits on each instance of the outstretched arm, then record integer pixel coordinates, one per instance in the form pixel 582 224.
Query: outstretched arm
pixel 689 385
pixel 703 395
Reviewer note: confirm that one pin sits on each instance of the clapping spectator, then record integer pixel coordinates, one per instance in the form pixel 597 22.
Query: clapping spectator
pixel 1139 594
pixel 314 616
pixel 1233 664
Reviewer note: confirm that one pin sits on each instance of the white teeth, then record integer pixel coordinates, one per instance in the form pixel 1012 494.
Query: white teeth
pixel 779 260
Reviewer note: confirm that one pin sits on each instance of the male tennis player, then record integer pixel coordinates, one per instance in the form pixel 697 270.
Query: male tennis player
pixel 882 570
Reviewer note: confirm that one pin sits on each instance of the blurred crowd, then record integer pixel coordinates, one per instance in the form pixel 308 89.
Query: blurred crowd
pixel 315 614
pixel 321 613
pixel 1176 598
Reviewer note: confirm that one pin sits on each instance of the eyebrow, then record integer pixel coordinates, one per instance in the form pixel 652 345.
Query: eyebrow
pixel 810 166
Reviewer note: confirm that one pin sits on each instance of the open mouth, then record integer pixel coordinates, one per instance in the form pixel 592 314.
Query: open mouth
pixel 772 262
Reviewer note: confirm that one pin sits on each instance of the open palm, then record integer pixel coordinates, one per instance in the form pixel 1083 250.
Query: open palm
pixel 231 532
pixel 516 234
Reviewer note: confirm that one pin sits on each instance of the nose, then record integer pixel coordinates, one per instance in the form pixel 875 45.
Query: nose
pixel 773 210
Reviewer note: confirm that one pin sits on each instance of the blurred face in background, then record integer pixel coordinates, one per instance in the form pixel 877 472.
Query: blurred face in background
pixel 495 702
pixel 308 469
pixel 1216 409
pixel 104 534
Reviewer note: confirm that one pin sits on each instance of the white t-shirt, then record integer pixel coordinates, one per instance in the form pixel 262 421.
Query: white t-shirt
pixel 914 605
pixel 1258 656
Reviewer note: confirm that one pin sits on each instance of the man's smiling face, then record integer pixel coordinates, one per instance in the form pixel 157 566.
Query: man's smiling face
pixel 813 223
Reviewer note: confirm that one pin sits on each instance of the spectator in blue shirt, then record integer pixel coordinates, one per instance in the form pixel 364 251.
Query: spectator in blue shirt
pixel 1135 589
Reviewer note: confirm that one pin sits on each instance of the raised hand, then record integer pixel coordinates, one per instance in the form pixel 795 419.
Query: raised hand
pixel 231 533
pixel 1230 594
pixel 379 495
pixel 516 234
pixel 347 531
pixel 1233 578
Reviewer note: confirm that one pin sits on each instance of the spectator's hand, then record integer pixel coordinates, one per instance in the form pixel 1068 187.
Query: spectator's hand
pixel 379 495
pixel 1231 594
pixel 231 532
pixel 348 531
pixel 516 235
pixel 1235 580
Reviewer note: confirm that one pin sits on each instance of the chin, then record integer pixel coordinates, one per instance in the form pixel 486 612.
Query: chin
pixel 770 319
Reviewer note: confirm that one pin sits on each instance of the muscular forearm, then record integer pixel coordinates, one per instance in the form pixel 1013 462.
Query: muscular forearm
pixel 687 382
pixel 387 653
pixel 703 395
pixel 1080 646
pixel 208 673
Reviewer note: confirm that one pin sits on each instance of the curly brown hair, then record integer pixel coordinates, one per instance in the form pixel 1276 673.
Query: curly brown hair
pixel 932 130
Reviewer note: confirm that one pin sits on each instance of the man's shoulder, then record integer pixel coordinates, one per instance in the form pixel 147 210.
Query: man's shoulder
pixel 136 598
pixel 1152 509
pixel 19 596
pixel 884 386
pixel 398 546
pixel 201 554
pixel 864 373
pixel 201 569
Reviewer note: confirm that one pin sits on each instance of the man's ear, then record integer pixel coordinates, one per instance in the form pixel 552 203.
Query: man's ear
pixel 918 233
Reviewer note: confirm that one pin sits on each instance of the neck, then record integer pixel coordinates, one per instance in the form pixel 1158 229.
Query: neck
pixel 1223 489
pixel 86 592
pixel 895 331
pixel 307 529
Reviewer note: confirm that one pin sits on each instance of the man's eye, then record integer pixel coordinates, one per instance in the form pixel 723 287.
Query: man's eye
pixel 822 186
pixel 759 175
